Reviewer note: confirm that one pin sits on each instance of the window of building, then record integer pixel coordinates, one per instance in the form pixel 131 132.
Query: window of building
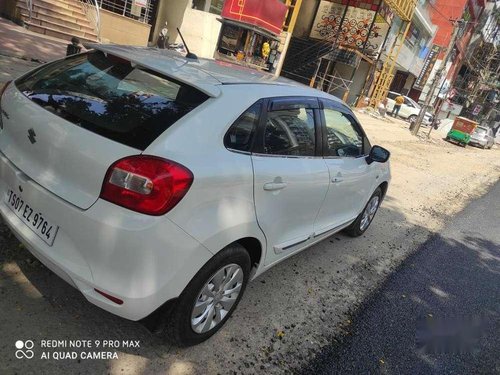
pixel 212 6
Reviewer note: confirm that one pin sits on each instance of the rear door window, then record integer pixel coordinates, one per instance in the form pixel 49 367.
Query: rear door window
pixel 290 132
pixel 111 97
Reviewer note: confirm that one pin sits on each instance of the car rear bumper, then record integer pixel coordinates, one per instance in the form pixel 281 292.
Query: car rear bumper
pixel 142 260
pixel 478 142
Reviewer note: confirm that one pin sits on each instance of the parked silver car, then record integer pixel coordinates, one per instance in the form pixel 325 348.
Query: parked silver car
pixel 482 137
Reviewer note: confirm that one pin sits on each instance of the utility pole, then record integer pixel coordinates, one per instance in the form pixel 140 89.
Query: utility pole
pixel 437 77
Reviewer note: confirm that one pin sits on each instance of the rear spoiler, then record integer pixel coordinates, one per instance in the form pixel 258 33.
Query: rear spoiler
pixel 166 63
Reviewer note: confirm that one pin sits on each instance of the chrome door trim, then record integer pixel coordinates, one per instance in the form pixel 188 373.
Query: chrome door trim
pixel 331 228
pixel 278 249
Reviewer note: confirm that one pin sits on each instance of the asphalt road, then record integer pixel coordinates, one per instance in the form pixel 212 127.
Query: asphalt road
pixel 439 313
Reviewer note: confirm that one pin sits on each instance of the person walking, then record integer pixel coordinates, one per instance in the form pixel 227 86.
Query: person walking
pixel 397 106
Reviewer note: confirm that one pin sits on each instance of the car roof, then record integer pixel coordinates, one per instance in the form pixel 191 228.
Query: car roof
pixel 203 74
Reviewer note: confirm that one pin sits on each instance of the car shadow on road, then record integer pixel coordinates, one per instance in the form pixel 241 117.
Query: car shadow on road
pixel 419 321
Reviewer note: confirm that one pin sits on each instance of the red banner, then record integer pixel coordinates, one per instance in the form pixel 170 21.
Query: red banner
pixel 268 14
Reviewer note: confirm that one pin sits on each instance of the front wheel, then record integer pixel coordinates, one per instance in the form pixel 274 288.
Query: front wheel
pixel 210 298
pixel 365 218
pixel 412 119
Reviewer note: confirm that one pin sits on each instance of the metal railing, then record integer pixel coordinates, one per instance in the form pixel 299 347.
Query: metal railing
pixel 129 9
pixel 29 5
pixel 91 10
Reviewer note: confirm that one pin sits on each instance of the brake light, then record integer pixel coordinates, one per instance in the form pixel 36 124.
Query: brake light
pixel 146 184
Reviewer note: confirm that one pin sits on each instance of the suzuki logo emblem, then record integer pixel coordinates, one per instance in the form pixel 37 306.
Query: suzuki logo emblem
pixel 31 135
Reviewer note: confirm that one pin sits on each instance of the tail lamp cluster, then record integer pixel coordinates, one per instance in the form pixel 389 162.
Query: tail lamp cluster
pixel 146 184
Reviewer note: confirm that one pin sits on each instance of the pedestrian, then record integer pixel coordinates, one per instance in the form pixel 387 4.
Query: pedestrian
pixel 74 47
pixel 162 41
pixel 397 106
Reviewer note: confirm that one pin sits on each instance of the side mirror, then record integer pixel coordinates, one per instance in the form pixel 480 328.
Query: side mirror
pixel 378 154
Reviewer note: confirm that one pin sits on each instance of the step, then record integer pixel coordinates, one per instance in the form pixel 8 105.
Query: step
pixel 62 28
pixel 73 6
pixel 49 6
pixel 57 33
pixel 57 21
pixel 37 11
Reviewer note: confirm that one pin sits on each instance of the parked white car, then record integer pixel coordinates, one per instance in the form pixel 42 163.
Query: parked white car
pixel 409 109
pixel 142 177
pixel 482 137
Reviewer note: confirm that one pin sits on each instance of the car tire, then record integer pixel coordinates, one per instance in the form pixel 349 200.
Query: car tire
pixel 181 328
pixel 412 118
pixel 359 226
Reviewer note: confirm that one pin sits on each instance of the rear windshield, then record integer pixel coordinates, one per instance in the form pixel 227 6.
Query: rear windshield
pixel 481 131
pixel 109 96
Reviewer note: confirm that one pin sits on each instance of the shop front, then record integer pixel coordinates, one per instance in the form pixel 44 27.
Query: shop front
pixel 251 33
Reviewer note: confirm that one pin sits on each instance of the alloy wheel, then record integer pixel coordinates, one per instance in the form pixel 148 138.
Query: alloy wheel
pixel 369 213
pixel 216 298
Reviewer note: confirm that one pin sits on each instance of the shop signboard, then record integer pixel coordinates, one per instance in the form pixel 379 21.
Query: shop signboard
pixel 429 63
pixel 350 30
pixel 377 36
pixel 269 14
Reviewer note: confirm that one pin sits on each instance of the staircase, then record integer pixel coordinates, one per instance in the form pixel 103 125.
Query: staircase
pixel 302 58
pixel 61 19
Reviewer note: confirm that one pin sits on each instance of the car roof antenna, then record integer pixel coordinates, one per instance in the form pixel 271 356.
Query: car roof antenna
pixel 189 54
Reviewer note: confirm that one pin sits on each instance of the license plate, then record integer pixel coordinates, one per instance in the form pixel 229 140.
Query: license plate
pixel 30 216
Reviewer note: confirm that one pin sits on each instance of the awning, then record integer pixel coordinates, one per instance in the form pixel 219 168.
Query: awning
pixel 246 26
pixel 266 14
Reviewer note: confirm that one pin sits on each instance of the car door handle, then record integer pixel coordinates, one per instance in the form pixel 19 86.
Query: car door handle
pixel 272 186
pixel 337 179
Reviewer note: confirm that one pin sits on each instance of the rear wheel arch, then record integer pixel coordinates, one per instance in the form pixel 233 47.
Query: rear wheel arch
pixel 254 248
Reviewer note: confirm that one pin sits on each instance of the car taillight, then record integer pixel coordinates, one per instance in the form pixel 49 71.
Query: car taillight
pixel 146 184
pixel 2 90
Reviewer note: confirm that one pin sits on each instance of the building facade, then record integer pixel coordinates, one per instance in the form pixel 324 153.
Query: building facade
pixel 448 15
pixel 108 21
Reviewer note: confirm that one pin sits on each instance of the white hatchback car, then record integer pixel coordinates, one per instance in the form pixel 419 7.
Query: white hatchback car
pixel 409 109
pixel 141 177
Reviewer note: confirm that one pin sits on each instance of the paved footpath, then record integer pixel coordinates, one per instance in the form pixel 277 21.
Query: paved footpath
pixel 16 41
pixel 22 50
pixel 447 295
pixel 13 67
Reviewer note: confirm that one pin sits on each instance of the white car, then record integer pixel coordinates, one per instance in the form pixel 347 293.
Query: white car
pixel 409 109
pixel 141 177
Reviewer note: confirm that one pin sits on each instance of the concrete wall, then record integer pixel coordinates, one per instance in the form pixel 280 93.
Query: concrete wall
pixel 122 30
pixel 200 29
pixel 171 11
pixel 358 81
pixel 305 18
pixel 201 32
